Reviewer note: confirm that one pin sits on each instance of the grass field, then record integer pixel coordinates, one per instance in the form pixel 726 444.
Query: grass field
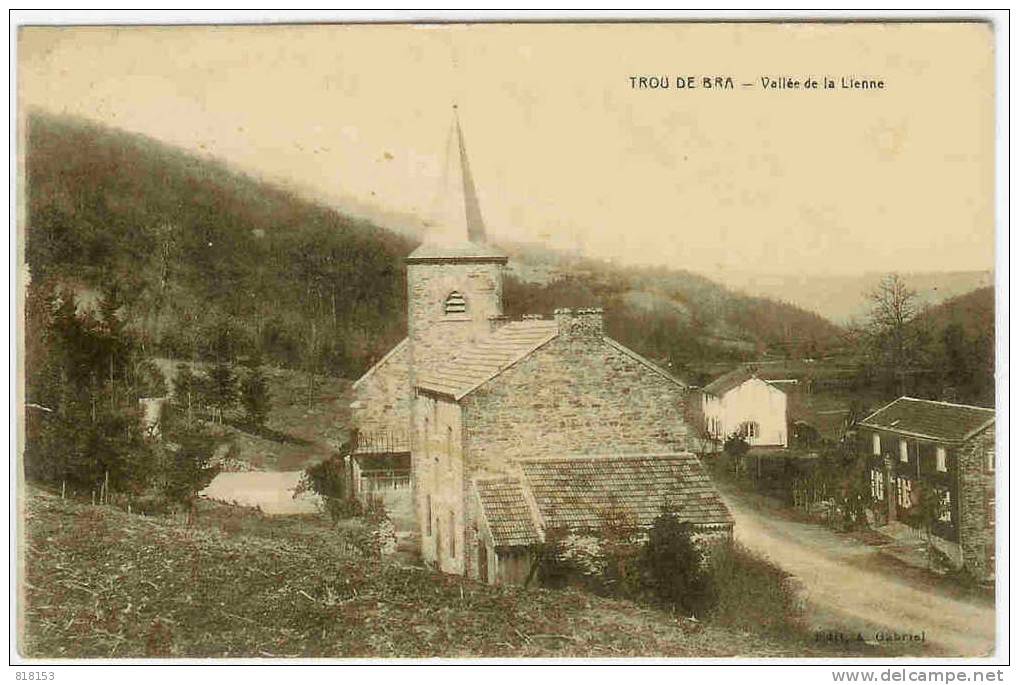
pixel 103 583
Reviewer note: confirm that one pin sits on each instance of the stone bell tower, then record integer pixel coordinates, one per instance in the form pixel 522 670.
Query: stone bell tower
pixel 454 279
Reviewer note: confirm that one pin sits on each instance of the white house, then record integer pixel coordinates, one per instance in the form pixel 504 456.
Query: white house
pixel 740 402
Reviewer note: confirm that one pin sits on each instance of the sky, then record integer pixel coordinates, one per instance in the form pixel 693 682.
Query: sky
pixel 563 150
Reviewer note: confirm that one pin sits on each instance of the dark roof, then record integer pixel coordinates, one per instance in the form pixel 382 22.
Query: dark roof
pixel 930 419
pixel 509 518
pixel 464 251
pixel 479 363
pixel 575 492
pixel 741 375
pixel 727 382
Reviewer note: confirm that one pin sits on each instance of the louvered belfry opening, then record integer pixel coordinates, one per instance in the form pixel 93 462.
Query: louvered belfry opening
pixel 456 303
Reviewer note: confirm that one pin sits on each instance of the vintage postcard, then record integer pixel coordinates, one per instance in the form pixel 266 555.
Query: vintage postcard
pixel 508 340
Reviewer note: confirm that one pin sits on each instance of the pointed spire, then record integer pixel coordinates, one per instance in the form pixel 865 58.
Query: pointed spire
pixel 456 228
pixel 472 209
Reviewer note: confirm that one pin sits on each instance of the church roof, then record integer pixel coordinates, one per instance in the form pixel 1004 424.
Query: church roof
pixel 465 251
pixel 576 492
pixel 506 511
pixel 930 419
pixel 479 363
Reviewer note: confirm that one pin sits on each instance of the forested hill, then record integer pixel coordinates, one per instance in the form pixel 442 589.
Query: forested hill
pixel 204 256
pixel 963 330
pixel 209 262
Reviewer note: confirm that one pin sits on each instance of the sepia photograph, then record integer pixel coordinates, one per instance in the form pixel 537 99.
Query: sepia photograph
pixel 508 341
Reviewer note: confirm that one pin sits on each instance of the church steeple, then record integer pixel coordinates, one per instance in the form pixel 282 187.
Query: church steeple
pixel 456 229
pixel 472 208
pixel 454 280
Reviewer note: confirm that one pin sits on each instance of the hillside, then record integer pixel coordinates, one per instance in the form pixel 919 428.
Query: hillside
pixel 842 298
pixel 962 329
pixel 210 262
pixel 102 583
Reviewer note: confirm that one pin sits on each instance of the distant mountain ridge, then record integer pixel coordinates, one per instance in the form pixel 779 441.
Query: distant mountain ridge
pixel 842 298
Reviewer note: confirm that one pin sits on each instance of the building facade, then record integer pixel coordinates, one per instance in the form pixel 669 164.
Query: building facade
pixel 925 449
pixel 741 403
pixel 473 399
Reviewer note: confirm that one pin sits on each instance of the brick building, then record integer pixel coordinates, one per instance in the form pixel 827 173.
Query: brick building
pixel 489 411
pixel 945 450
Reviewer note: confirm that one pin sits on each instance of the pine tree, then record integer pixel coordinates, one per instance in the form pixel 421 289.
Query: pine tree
pixel 255 393
pixel 222 388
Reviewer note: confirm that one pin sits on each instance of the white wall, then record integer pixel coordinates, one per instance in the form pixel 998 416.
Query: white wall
pixel 754 400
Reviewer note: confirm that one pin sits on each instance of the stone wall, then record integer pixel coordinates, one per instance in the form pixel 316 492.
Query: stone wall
pixel 382 396
pixel 575 395
pixel 434 334
pixel 439 482
pixel 976 491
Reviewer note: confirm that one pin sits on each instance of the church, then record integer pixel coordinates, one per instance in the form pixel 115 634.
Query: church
pixel 510 429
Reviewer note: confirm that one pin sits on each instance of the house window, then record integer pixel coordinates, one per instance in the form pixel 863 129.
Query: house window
pixel 990 511
pixel 749 429
pixel 944 505
pixel 942 460
pixel 990 460
pixel 877 484
pixel 875 442
pixel 452 536
pixel 904 490
pixel 455 303
pixel 428 499
pixel 903 450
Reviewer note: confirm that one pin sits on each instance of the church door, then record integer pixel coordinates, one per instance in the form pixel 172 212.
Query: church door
pixel 482 562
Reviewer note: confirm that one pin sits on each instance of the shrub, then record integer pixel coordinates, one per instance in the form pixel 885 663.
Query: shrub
pixel 328 479
pixel 673 567
pixel 373 534
pixel 750 592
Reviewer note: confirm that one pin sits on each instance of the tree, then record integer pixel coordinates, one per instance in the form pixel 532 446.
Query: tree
pixel 222 389
pixel 925 515
pixel 255 393
pixel 736 448
pixel 893 340
pixel 329 480
pixel 85 373
pixel 185 390
pixel 673 566
pixel 187 464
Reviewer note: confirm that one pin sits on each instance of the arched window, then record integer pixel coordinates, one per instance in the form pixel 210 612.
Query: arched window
pixel 455 303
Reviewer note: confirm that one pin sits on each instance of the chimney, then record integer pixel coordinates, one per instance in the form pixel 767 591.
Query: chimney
pixel 580 324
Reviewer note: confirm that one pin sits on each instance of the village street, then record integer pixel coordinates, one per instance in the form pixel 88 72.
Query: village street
pixel 853 588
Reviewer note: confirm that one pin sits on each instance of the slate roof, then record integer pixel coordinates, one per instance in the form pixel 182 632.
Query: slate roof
pixel 479 363
pixel 509 518
pixel 929 419
pixel 398 349
pixel 727 382
pixel 574 492
pixel 464 251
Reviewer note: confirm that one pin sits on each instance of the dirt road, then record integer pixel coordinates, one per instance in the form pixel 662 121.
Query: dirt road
pixel 853 589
